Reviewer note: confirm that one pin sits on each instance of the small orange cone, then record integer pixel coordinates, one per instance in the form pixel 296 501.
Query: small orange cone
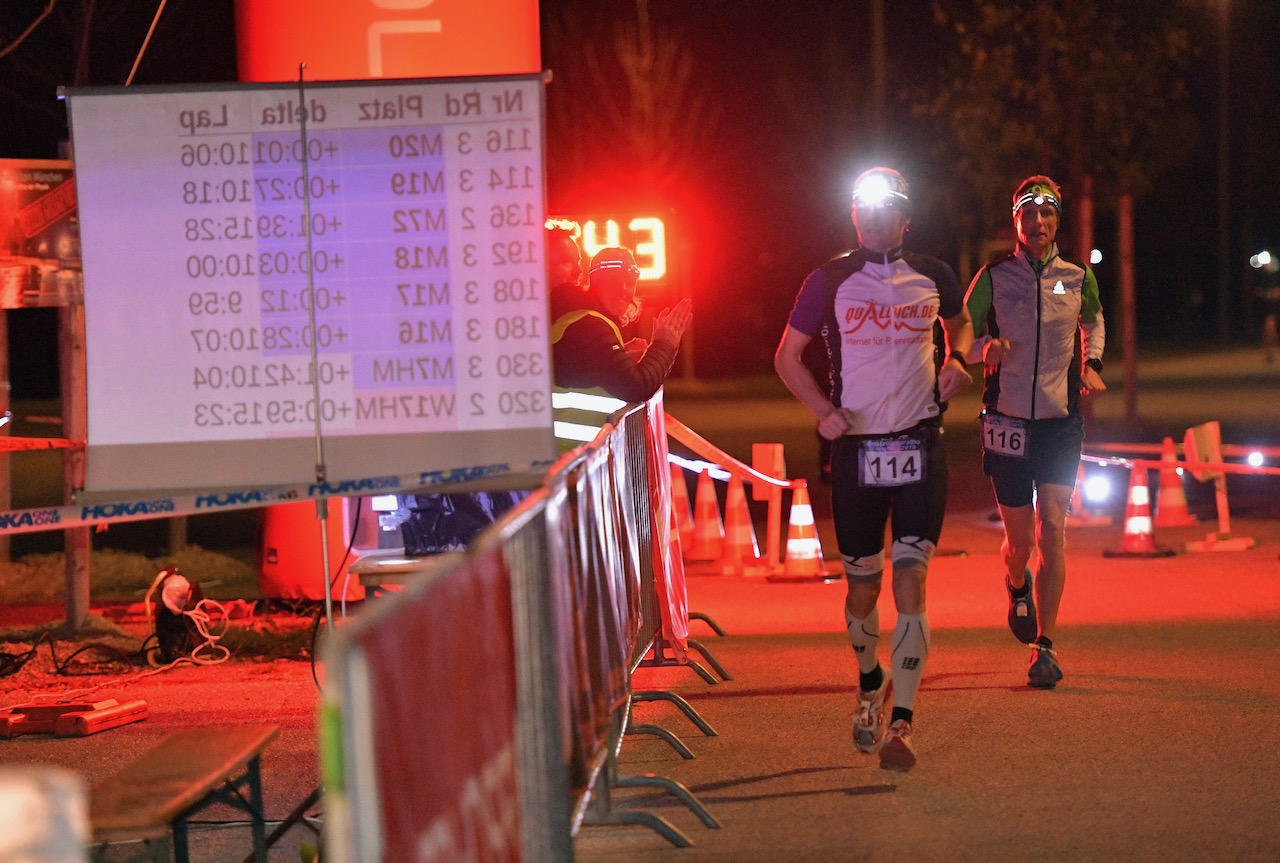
pixel 803 561
pixel 1139 537
pixel 681 514
pixel 740 548
pixel 1171 505
pixel 708 532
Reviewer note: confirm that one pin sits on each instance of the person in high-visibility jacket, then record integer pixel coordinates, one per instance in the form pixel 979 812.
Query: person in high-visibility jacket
pixel 589 354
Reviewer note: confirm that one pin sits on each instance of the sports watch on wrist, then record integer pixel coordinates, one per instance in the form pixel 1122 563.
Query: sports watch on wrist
pixel 1095 364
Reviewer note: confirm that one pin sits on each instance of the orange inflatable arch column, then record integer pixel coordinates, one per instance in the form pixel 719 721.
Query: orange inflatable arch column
pixel 352 39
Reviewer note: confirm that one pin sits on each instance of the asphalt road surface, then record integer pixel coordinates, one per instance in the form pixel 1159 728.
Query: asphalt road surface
pixel 1160 745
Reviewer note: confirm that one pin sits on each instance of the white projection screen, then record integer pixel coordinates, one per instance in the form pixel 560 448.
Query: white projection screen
pixel 376 261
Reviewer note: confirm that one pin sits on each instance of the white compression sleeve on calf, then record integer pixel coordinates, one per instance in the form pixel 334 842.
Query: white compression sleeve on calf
pixel 910 650
pixel 864 635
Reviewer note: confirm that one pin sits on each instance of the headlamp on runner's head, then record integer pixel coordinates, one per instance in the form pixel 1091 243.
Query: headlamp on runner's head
pixel 880 187
pixel 1037 190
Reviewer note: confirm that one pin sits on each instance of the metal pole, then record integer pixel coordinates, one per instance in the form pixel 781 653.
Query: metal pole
pixel 878 71
pixel 1224 226
pixel 6 481
pixel 72 373
pixel 1083 252
pixel 1128 308
pixel 322 503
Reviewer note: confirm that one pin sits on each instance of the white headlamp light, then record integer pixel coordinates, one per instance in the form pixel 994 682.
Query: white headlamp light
pixel 880 188
pixel 1037 195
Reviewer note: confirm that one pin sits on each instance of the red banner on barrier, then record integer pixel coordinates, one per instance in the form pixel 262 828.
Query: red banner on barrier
pixel 668 568
pixel 602 589
pixel 583 554
pixel 615 502
pixel 445 747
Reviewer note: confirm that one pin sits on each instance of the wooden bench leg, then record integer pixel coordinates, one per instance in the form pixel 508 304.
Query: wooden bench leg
pixel 297 815
pixel 256 815
pixel 230 794
pixel 158 850
pixel 180 851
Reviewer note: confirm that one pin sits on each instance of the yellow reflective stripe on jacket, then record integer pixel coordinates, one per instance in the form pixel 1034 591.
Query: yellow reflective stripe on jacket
pixel 579 422
pixel 567 320
pixel 579 413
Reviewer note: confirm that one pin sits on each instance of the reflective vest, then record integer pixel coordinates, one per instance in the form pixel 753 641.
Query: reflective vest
pixel 579 413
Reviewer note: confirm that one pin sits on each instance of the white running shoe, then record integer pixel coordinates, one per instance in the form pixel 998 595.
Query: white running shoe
pixel 897 753
pixel 868 723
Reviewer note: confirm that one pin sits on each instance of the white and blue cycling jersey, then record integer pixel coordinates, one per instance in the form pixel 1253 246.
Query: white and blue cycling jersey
pixel 877 314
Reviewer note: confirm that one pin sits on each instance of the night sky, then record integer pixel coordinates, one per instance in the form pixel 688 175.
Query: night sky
pixel 764 133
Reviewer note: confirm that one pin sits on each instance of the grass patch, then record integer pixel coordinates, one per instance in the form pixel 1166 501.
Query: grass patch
pixel 121 576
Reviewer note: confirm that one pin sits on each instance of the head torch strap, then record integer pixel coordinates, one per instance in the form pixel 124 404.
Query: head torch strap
pixel 622 266
pixel 1037 195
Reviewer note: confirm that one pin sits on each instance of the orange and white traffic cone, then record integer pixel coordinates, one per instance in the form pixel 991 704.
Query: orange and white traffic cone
pixel 803 560
pixel 1171 504
pixel 682 515
pixel 708 532
pixel 1139 535
pixel 740 548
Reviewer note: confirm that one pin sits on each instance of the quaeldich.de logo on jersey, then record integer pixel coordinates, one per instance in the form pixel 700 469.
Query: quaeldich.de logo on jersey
pixel 917 316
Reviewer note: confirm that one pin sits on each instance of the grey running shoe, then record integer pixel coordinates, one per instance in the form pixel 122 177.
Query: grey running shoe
pixel 1045 672
pixel 868 724
pixel 897 753
pixel 1022 612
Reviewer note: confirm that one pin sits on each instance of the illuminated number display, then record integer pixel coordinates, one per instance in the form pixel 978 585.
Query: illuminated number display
pixel 644 235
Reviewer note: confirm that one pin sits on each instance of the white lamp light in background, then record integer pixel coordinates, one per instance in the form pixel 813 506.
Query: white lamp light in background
pixel 1095 257
pixel 1097 488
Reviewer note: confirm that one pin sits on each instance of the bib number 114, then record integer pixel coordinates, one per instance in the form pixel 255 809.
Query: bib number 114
pixel 890 462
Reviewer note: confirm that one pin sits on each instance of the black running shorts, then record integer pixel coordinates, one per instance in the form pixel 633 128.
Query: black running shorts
pixel 860 512
pixel 1053 455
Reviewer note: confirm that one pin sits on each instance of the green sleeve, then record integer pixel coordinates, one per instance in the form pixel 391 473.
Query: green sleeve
pixel 978 301
pixel 1090 302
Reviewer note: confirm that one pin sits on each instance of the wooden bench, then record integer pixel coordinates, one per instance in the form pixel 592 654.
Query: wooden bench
pixel 156 794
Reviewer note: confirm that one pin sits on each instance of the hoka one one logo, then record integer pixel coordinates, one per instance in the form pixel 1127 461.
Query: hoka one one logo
pixel 917 317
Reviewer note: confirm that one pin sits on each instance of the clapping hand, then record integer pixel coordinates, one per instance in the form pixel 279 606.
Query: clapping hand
pixel 669 324
pixel 635 348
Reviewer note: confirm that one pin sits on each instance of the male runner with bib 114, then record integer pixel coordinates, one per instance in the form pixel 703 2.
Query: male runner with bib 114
pixel 877 309
pixel 1035 305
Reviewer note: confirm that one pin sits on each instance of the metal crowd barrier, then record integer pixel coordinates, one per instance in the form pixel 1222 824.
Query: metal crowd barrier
pixel 539 723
